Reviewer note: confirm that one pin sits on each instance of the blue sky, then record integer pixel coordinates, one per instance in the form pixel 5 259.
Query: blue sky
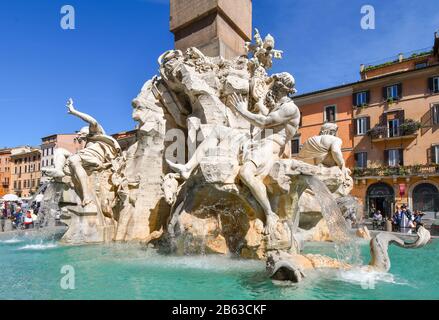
pixel 104 62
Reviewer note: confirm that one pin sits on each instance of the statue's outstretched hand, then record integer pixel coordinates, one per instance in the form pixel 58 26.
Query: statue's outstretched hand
pixel 239 102
pixel 70 106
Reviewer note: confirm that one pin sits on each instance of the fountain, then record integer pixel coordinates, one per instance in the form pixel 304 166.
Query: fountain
pixel 237 194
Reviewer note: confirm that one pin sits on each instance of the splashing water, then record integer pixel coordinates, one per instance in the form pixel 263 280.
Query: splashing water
pixel 347 248
pixel 49 205
pixel 39 246
pixel 11 241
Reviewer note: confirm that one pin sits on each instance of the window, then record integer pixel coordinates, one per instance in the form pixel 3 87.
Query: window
pixel 393 128
pixel 362 126
pixel 393 92
pixel 361 159
pixel 361 98
pixel 329 113
pixel 394 157
pixel 295 146
pixel 421 65
pixel 435 85
pixel 435 113
pixel 435 154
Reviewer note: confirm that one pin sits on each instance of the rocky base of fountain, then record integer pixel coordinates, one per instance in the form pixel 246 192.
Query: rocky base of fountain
pixel 237 194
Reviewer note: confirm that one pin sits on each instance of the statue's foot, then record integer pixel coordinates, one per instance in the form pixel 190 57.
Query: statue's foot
pixel 270 224
pixel 180 168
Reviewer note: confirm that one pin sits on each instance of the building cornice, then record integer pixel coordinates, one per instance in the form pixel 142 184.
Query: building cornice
pixel 364 84
pixel 325 95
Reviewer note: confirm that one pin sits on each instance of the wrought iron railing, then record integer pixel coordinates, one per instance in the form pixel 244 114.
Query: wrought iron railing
pixel 403 171
pixel 407 128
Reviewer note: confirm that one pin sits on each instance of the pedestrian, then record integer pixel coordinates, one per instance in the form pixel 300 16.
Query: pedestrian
pixel 418 218
pixel 396 220
pixel 35 219
pixel 377 220
pixel 3 217
pixel 17 217
pixel 372 211
pixel 28 221
pixel 406 224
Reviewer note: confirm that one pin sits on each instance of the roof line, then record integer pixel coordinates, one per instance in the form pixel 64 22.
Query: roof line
pixel 362 81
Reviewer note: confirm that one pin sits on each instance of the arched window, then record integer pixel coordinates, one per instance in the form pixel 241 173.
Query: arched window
pixel 426 198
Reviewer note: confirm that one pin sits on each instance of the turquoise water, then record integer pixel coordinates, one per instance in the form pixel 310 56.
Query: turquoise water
pixel 32 270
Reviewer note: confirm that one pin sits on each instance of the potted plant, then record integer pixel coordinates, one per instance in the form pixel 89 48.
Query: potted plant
pixel 390 100
pixel 378 132
pixel 410 126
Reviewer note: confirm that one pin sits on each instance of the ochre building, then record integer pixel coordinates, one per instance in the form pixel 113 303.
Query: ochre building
pixel 389 124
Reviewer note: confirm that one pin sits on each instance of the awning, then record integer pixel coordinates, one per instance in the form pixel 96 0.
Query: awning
pixel 10 197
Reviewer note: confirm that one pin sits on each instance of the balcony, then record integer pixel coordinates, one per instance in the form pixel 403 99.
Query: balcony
pixel 399 171
pixel 407 130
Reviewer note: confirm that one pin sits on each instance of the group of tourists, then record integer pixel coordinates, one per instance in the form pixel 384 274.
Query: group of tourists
pixel 403 219
pixel 20 214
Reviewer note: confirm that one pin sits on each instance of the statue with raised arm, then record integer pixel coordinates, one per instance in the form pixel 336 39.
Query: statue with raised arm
pixel 99 151
pixel 278 127
pixel 258 154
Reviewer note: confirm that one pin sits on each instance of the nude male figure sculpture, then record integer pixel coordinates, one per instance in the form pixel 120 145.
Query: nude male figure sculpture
pixel 100 149
pixel 260 153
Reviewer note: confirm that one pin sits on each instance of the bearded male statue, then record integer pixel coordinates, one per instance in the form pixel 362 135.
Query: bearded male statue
pixel 258 154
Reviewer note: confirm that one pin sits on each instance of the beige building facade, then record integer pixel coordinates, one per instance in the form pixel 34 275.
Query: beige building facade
pixel 5 171
pixel 25 171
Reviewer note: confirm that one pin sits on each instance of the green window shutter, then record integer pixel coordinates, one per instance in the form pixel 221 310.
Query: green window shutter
pixel 430 85
pixel 385 93
pixel 432 156
pixel 401 157
pixel 399 90
pixel 368 96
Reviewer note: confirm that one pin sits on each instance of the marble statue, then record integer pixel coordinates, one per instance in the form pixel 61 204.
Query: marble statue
pixel 259 154
pixel 99 151
pixel 231 188
pixel 282 266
